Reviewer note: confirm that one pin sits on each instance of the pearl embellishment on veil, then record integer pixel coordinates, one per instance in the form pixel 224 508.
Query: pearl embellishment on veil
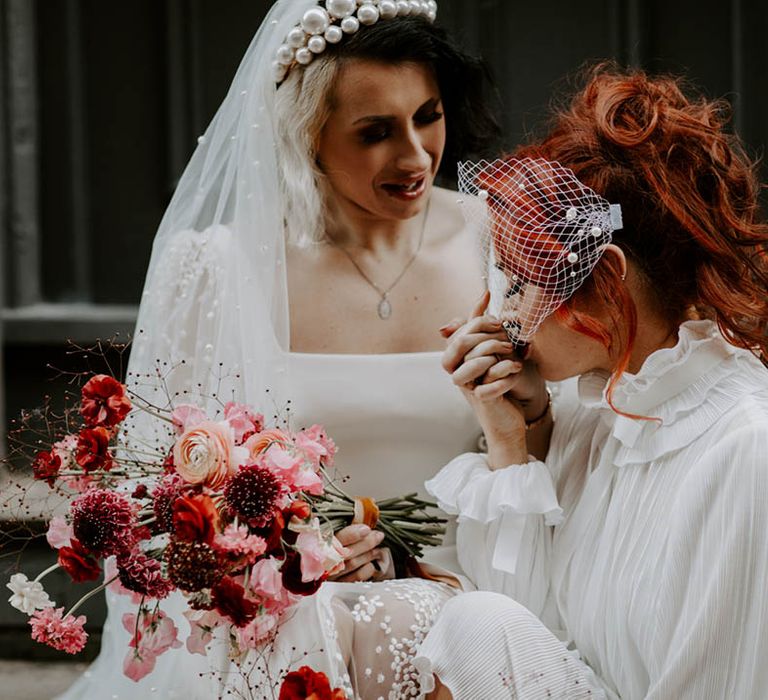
pixel 321 26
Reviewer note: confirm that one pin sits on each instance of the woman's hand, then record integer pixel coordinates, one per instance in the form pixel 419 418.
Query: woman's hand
pixel 501 389
pixel 361 555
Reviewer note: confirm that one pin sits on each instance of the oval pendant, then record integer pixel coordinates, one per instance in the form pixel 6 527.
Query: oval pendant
pixel 385 309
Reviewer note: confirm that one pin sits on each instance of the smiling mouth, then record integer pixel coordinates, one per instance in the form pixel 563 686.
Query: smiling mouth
pixel 406 190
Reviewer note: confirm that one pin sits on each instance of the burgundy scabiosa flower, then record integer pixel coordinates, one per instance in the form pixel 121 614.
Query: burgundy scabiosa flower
pixel 141 574
pixel 254 494
pixel 103 522
pixel 192 566
pixel 163 498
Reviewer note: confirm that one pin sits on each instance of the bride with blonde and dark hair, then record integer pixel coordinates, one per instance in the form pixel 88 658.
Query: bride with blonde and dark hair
pixel 308 257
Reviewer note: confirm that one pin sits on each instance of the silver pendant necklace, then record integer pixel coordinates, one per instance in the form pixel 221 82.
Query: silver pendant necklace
pixel 384 308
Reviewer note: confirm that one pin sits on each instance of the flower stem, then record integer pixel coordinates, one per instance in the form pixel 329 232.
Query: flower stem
pixel 47 571
pixel 90 594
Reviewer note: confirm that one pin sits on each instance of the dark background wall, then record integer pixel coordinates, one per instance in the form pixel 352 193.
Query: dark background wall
pixel 101 103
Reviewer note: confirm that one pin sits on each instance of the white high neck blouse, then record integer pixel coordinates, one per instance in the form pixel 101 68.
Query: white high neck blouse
pixel 644 543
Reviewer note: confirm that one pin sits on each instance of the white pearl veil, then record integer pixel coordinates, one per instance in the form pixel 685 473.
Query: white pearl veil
pixel 213 318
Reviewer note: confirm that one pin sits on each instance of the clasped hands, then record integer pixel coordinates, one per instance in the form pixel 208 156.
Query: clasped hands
pixel 504 391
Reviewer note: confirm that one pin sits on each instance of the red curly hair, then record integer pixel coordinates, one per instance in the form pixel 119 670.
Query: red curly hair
pixel 689 198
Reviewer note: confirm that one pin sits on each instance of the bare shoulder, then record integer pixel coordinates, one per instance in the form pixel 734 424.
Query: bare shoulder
pixel 449 223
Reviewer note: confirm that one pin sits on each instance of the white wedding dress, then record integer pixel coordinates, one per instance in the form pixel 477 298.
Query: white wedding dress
pixel 396 419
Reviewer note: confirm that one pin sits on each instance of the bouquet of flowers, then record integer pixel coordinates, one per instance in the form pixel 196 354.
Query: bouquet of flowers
pixel 237 516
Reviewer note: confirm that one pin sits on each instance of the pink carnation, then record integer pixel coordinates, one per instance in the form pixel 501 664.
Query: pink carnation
pixel 50 627
pixel 141 574
pixel 110 572
pixel 237 543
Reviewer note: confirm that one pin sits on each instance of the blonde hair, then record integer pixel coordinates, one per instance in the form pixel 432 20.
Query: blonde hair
pixel 302 108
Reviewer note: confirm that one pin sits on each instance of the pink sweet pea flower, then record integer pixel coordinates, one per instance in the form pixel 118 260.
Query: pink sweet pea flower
pixel 59 533
pixel 266 586
pixel 257 631
pixel 319 555
pixel 314 441
pixel 202 624
pixel 156 633
pixel 186 416
pixel 293 470
pixel 243 421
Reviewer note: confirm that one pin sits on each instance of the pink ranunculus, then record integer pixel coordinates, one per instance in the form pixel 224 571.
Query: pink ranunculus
pixel 243 421
pixel 59 533
pixel 293 470
pixel 186 416
pixel 202 623
pixel 257 631
pixel 206 454
pixel 153 636
pixel 319 555
pixel 64 633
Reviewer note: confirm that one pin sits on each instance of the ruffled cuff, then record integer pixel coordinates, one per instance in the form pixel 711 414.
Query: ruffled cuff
pixel 466 487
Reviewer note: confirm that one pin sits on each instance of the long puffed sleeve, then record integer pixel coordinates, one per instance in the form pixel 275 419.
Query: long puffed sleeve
pixel 504 524
pixel 711 620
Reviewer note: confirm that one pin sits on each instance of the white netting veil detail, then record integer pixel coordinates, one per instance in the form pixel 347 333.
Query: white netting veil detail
pixel 541 233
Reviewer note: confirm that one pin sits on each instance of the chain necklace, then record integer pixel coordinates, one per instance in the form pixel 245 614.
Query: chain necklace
pixel 384 309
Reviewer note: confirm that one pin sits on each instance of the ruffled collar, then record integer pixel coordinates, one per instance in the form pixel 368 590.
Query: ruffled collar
pixel 684 389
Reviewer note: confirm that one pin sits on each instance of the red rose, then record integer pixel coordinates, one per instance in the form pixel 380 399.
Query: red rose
pixel 291 573
pixel 78 562
pixel 92 449
pixel 104 401
pixel 306 684
pixel 46 467
pixel 195 518
pixel 228 597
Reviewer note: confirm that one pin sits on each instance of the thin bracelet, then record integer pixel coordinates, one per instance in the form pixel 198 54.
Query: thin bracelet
pixel 536 422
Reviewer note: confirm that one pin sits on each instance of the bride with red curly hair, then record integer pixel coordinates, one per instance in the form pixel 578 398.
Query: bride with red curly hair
pixel 627 558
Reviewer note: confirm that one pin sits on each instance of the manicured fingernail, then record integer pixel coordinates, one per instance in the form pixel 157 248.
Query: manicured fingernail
pixel 363 530
pixel 379 536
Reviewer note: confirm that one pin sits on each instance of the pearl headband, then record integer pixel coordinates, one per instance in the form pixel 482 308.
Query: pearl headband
pixel 321 26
